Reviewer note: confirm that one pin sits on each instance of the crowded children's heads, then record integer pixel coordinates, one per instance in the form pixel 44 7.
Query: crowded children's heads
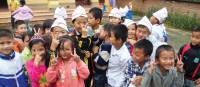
pixel 165 57
pixel 195 37
pixel 144 28
pixel 20 28
pixel 115 16
pixel 59 27
pixel 142 50
pixel 6 42
pixel 131 25
pixel 159 17
pixel 94 17
pixel 79 18
pixel 66 48
pixel 119 34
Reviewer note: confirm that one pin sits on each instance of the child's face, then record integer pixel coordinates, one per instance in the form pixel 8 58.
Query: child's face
pixel 103 34
pixel 47 30
pixel 80 21
pixel 142 33
pixel 153 20
pixel 66 50
pixel 131 31
pixel 139 55
pixel 38 49
pixel 21 29
pixel 195 38
pixel 26 40
pixel 166 60
pixel 6 45
pixel 115 42
pixel 92 21
pixel 114 20
pixel 58 31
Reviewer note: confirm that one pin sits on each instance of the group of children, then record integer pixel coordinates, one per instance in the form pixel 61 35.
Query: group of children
pixel 121 53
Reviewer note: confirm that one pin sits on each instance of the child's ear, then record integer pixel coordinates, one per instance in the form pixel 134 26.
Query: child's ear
pixel 98 21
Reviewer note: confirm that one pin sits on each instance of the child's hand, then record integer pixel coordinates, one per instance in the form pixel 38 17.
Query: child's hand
pixel 179 65
pixel 37 59
pixel 96 49
pixel 76 57
pixel 84 30
pixel 197 82
pixel 137 81
pixel 54 42
pixel 87 54
pixel 152 67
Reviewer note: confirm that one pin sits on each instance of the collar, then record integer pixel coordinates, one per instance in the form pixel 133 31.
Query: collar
pixel 10 57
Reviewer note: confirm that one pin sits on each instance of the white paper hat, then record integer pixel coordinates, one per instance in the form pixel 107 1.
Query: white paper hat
pixel 115 13
pixel 60 12
pixel 161 15
pixel 128 22
pixel 60 22
pixel 124 10
pixel 145 21
pixel 79 11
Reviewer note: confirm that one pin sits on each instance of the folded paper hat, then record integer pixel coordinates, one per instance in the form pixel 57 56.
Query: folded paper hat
pixel 79 11
pixel 145 21
pixel 128 22
pixel 60 12
pixel 161 15
pixel 60 22
pixel 115 13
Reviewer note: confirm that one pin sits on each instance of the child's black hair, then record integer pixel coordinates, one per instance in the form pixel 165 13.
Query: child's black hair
pixel 6 33
pixel 36 41
pixel 47 23
pixel 164 48
pixel 145 45
pixel 37 27
pixel 97 13
pixel 22 2
pixel 63 39
pixel 18 22
pixel 141 26
pixel 120 32
pixel 107 27
pixel 26 34
pixel 196 29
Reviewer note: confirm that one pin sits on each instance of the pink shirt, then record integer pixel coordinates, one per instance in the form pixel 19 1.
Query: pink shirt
pixel 23 13
pixel 67 75
pixel 35 72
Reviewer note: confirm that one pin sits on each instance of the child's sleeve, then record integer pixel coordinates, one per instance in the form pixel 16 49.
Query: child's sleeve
pixel 33 71
pixel 82 69
pixel 147 79
pixel 52 74
pixel 179 80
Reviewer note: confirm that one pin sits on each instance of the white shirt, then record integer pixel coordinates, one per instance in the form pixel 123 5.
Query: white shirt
pixel 156 43
pixel 117 64
pixel 159 32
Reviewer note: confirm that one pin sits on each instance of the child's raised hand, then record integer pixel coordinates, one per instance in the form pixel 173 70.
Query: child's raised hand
pixel 137 81
pixel 38 58
pixel 54 42
pixel 76 57
pixel 179 65
pixel 96 49
pixel 84 30
pixel 87 54
pixel 152 67
pixel 197 82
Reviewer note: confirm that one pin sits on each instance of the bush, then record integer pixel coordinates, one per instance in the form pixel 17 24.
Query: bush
pixel 178 20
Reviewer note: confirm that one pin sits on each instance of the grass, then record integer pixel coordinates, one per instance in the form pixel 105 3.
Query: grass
pixel 178 38
pixel 176 19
